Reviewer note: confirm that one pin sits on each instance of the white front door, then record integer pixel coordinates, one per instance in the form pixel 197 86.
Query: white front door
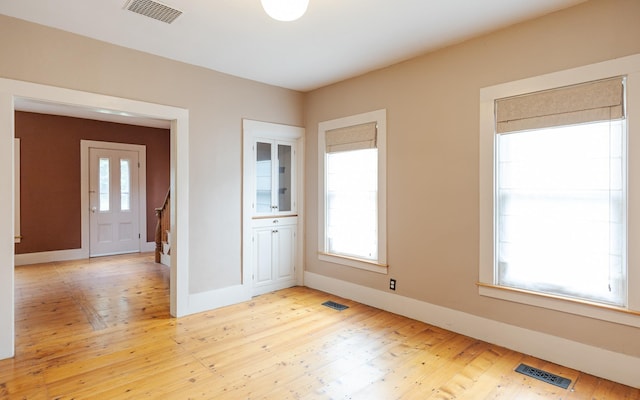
pixel 113 201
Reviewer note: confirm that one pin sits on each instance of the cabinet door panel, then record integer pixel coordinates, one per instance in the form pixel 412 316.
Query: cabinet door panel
pixel 263 256
pixel 264 178
pixel 286 251
pixel 274 174
pixel 285 177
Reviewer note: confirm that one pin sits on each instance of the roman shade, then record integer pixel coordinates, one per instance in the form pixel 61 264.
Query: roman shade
pixel 355 137
pixel 587 102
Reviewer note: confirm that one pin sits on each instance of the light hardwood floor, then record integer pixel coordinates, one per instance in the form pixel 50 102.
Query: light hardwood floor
pixel 100 329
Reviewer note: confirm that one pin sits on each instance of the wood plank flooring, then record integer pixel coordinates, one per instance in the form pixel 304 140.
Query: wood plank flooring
pixel 101 329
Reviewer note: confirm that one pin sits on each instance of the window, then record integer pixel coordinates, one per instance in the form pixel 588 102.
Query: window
pixel 125 185
pixel 557 191
pixel 352 217
pixel 104 178
pixel 560 207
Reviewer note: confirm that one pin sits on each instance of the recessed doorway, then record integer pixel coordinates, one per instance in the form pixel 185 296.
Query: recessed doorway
pixel 12 91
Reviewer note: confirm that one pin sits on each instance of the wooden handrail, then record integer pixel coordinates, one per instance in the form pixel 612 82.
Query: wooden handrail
pixel 162 226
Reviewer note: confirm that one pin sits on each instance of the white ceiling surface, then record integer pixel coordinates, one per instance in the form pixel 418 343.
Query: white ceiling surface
pixel 333 41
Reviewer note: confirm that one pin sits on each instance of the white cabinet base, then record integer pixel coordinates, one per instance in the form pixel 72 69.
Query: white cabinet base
pixel 274 254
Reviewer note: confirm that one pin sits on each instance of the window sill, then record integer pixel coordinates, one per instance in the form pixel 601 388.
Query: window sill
pixel 354 262
pixel 603 312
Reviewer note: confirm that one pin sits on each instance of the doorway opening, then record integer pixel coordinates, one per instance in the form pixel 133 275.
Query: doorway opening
pixel 12 92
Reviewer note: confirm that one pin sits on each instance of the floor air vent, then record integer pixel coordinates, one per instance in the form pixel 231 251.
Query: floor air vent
pixel 544 376
pixel 335 306
pixel 153 9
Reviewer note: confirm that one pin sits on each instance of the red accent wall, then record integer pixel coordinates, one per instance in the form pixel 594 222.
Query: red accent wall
pixel 50 175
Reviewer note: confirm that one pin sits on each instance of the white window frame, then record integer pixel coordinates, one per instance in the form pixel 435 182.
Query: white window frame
pixel 380 117
pixel 626 66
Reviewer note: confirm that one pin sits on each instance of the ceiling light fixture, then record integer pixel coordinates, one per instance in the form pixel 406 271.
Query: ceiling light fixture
pixel 285 10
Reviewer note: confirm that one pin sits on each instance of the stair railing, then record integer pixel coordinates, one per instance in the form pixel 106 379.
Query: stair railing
pixel 162 226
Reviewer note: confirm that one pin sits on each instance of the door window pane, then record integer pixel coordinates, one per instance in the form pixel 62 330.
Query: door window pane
pixel 125 185
pixel 103 190
pixel 263 177
pixel 284 177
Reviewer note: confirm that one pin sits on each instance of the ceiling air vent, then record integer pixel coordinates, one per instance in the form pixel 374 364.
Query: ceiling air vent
pixel 153 9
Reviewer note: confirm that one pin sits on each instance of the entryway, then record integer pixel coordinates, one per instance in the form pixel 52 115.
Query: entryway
pixel 115 197
pixel 10 91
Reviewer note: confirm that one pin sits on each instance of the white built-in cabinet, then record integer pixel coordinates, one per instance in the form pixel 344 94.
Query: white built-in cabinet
pixel 274 253
pixel 272 172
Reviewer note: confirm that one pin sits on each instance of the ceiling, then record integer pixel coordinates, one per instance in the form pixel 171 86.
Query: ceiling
pixel 333 41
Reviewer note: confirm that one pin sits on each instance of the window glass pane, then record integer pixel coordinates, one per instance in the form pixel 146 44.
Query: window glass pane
pixel 103 190
pixel 561 211
pixel 352 203
pixel 263 177
pixel 125 185
pixel 284 177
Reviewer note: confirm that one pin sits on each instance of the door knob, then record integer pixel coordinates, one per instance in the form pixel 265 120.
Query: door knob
pixel 93 209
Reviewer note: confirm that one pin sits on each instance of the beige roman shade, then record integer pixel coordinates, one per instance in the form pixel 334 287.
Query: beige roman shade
pixel 587 102
pixel 356 137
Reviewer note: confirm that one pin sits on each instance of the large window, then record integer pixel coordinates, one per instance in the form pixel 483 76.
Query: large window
pixel 557 191
pixel 560 211
pixel 352 220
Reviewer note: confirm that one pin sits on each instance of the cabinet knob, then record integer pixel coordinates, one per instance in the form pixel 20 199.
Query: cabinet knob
pixel 275 221
pixel 274 231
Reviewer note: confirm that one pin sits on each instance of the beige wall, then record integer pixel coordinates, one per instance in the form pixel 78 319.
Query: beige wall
pixel 216 103
pixel 432 107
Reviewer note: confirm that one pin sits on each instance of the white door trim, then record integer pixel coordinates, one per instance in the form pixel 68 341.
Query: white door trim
pixel 85 145
pixel 10 90
pixel 16 184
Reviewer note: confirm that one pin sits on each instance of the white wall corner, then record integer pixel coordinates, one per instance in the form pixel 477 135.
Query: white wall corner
pixel 610 365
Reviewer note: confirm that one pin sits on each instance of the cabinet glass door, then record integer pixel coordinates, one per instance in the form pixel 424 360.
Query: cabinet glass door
pixel 284 177
pixel 264 177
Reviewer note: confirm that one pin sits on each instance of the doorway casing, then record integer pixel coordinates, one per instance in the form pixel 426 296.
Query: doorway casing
pixel 10 90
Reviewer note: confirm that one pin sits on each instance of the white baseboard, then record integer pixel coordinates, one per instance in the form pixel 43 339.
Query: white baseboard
pixel 165 259
pixel 148 247
pixel 64 255
pixel 209 300
pixel 50 256
pixel 607 364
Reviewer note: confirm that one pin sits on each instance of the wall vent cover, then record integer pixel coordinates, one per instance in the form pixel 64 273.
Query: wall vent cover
pixel 544 376
pixel 153 9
